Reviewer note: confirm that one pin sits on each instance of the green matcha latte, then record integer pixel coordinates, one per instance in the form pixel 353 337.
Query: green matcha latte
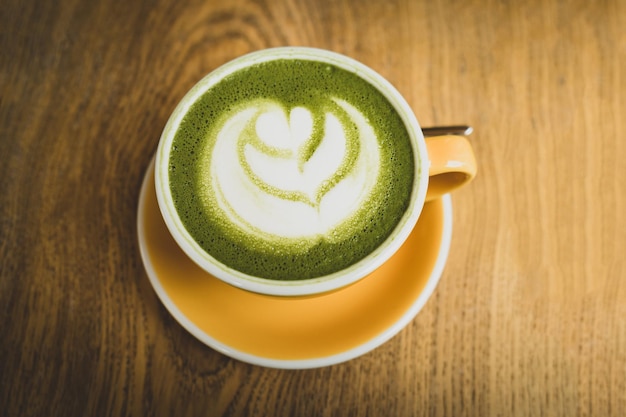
pixel 291 169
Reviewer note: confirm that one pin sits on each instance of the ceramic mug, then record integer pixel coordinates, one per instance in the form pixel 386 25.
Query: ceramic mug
pixel 438 165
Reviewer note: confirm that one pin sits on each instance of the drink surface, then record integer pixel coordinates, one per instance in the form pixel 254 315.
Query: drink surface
pixel 291 169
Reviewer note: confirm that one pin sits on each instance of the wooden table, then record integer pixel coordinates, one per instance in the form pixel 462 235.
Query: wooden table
pixel 528 318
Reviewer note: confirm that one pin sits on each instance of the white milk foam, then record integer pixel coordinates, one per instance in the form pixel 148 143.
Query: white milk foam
pixel 270 191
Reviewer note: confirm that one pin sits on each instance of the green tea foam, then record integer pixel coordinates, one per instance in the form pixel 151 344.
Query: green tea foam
pixel 291 169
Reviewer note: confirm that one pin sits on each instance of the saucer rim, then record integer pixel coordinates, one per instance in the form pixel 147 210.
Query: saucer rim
pixel 309 363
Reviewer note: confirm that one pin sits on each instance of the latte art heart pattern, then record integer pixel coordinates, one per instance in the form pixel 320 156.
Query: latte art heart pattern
pixel 285 168
pixel 298 173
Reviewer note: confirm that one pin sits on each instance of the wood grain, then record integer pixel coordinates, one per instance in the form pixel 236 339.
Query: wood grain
pixel 528 317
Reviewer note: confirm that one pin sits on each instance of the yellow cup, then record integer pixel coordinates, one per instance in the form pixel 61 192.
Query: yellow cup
pixel 441 165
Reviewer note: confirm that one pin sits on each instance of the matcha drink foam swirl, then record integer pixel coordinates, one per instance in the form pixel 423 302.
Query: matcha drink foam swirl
pixel 289 173
pixel 289 169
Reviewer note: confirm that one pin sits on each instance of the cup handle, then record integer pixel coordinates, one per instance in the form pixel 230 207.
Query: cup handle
pixel 452 164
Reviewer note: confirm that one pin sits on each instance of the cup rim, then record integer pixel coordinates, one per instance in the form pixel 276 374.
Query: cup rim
pixel 316 285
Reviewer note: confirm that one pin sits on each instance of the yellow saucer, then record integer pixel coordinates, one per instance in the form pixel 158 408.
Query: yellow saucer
pixel 303 332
